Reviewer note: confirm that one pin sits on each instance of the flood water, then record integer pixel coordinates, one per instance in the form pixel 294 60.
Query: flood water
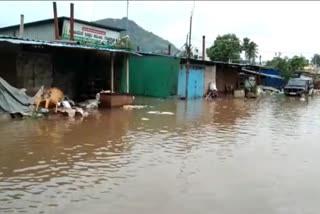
pixel 229 156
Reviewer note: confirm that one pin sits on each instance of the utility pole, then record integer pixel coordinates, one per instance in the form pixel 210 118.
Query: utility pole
pixel 260 60
pixel 127 23
pixel 260 70
pixel 188 49
pixel 203 48
pixel 127 13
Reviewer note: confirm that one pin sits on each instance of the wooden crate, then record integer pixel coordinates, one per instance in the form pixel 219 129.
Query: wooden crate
pixel 108 100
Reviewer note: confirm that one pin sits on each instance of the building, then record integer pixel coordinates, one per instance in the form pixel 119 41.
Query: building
pixel 164 76
pixel 85 33
pixel 80 71
pixel 201 74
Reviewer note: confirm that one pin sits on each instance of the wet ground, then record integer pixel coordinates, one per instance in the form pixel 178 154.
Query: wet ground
pixel 230 156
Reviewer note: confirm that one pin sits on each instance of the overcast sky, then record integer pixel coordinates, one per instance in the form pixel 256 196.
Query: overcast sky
pixel 288 27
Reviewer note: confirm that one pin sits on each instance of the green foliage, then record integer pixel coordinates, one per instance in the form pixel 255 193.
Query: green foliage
pixel 297 63
pixel 251 50
pixel 282 65
pixel 316 59
pixel 225 48
pixel 287 66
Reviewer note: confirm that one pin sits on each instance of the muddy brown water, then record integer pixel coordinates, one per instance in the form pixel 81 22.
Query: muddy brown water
pixel 230 156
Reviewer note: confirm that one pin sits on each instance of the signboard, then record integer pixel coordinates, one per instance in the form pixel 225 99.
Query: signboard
pixel 90 35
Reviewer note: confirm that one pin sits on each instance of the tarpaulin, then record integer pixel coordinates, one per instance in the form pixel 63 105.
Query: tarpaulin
pixel 13 100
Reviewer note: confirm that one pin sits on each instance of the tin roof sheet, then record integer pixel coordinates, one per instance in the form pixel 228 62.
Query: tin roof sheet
pixel 16 40
pixel 262 74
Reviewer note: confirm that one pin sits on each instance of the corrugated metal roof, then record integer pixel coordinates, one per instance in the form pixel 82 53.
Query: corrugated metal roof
pixel 262 74
pixel 16 40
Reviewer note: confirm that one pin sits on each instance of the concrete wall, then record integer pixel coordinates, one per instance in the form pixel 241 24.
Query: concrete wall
pixel 41 32
pixel 226 77
pixel 33 71
pixel 8 68
pixel 8 54
pixel 209 76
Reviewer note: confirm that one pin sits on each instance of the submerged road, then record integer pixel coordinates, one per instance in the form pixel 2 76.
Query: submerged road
pixel 229 156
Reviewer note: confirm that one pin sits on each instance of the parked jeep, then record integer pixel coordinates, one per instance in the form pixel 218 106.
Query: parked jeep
pixel 299 86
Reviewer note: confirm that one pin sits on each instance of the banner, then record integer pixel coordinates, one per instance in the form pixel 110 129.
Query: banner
pixel 90 35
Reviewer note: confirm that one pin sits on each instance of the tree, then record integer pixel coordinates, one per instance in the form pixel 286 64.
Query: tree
pixel 297 63
pixel 286 66
pixel 225 48
pixel 251 50
pixel 280 64
pixel 316 59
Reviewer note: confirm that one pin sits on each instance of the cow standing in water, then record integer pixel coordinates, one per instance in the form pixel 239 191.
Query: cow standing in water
pixel 51 96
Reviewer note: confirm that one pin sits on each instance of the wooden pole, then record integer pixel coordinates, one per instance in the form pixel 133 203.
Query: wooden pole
pixel 187 78
pixel 127 73
pixel 71 23
pixel 189 55
pixel 188 59
pixel 112 72
pixel 21 30
pixel 56 25
pixel 169 49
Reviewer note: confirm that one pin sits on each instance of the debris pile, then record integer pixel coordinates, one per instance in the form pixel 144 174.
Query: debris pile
pixel 18 104
pixel 91 103
pixel 16 101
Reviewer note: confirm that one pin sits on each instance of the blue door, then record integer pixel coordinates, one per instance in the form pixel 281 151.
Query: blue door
pixel 195 82
pixel 182 82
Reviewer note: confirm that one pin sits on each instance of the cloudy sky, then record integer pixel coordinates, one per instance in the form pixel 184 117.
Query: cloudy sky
pixel 287 27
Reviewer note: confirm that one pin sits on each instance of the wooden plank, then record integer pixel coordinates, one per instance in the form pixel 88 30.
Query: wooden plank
pixel 112 72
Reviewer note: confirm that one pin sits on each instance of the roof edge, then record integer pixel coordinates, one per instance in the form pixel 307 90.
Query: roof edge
pixel 64 18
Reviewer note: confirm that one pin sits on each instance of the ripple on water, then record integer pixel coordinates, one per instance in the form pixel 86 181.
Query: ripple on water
pixel 86 161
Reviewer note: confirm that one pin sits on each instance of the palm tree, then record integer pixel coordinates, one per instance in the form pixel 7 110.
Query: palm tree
pixel 251 49
pixel 245 45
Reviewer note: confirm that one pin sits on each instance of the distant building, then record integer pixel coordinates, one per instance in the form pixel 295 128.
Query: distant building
pixel 314 69
pixel 86 33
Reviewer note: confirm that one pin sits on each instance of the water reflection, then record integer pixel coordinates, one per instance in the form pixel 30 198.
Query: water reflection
pixel 128 156
pixel 58 157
